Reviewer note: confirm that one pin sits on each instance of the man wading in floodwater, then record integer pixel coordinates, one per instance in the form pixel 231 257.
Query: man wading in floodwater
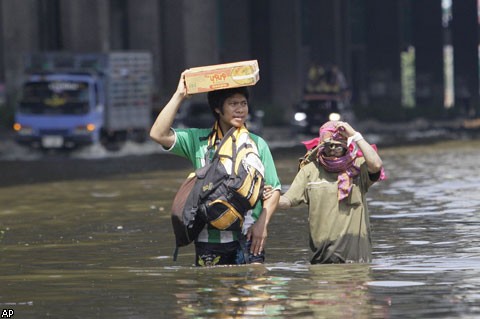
pixel 230 108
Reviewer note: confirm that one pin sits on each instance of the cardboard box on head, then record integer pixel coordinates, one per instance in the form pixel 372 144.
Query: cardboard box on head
pixel 222 76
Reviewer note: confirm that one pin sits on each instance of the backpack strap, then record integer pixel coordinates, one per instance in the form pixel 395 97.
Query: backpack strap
pixel 175 253
pixel 310 156
pixel 213 141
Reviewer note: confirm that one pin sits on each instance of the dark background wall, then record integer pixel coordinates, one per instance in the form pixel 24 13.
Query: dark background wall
pixel 365 38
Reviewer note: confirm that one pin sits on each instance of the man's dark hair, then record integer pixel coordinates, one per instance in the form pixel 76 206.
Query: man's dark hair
pixel 217 98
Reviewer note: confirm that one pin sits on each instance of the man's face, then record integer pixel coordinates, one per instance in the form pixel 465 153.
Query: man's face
pixel 235 110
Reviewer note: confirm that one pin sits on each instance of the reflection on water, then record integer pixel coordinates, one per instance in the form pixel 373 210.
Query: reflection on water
pixel 92 239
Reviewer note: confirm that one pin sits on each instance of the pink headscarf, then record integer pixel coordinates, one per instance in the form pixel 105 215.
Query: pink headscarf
pixel 327 133
pixel 344 165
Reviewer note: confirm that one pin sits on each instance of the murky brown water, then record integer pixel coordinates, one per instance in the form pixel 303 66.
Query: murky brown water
pixel 92 239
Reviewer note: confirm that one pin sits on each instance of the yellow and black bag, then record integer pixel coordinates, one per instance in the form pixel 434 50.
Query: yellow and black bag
pixel 221 192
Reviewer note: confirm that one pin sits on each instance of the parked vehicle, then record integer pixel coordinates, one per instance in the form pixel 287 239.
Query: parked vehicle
pixel 70 100
pixel 198 114
pixel 313 111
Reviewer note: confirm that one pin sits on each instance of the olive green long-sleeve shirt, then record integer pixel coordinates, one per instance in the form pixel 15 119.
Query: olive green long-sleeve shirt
pixel 339 230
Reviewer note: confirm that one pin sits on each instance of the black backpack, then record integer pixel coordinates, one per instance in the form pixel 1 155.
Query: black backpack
pixel 221 192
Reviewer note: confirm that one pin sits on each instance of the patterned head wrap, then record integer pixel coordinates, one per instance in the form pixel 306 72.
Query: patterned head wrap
pixel 329 133
pixel 344 165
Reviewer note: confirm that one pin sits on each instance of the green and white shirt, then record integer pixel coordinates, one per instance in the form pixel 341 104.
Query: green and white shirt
pixel 192 144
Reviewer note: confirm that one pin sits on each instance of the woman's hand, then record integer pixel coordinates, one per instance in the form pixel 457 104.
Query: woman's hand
pixel 345 129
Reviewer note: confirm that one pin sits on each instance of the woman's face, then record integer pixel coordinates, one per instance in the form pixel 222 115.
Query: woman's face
pixel 334 150
pixel 235 111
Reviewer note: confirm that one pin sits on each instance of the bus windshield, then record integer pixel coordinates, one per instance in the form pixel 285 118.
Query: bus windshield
pixel 54 97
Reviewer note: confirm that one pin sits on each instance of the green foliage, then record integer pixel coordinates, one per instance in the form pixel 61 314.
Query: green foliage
pixel 408 77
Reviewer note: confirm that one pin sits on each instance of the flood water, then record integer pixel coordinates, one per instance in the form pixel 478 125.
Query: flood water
pixel 91 238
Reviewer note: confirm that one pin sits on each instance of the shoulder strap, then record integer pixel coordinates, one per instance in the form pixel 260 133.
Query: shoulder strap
pixel 309 156
pixel 224 140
